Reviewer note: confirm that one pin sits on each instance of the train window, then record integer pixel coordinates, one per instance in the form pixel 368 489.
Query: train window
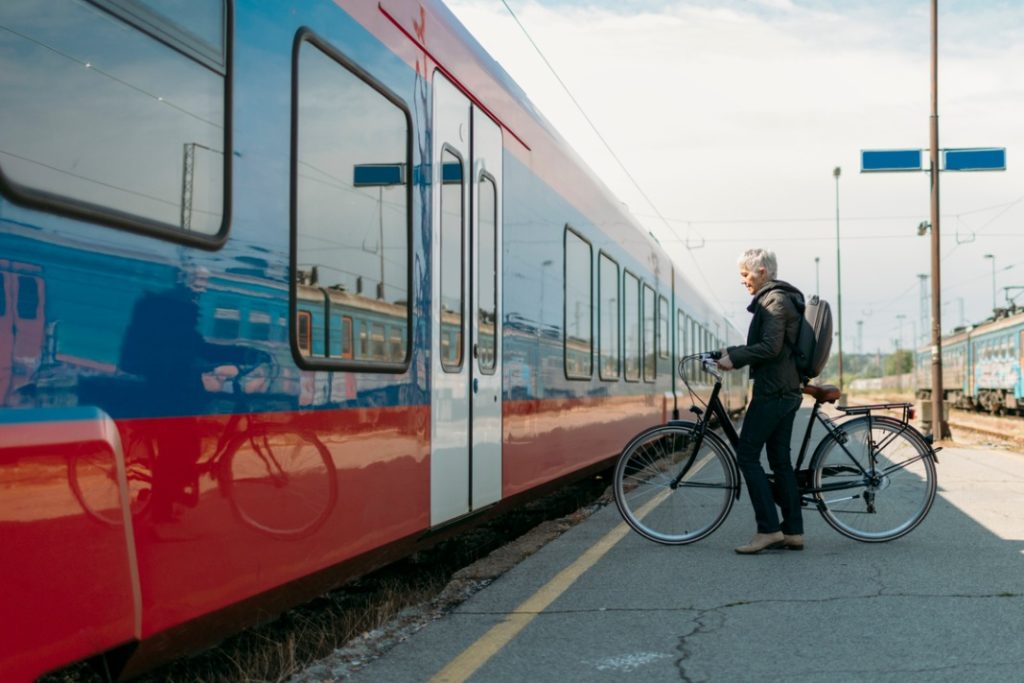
pixel 377 341
pixel 680 335
pixel 135 110
pixel 3 295
pixel 487 302
pixel 578 306
pixel 608 317
pixel 452 267
pixel 226 322
pixel 351 203
pixel 305 323
pixel 664 342
pixel 649 340
pixel 259 325
pixel 631 326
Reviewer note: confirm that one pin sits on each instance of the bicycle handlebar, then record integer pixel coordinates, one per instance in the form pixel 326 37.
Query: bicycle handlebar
pixel 707 361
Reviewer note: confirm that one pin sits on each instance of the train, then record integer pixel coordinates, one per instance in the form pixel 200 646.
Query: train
pixel 981 365
pixel 289 291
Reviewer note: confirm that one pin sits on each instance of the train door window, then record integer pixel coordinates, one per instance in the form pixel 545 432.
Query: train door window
pixel 631 326
pixel 351 200
pixel 664 340
pixel 305 332
pixel 452 267
pixel 649 331
pixel 133 97
pixel 608 317
pixel 346 336
pixel 578 306
pixel 487 263
pixel 28 298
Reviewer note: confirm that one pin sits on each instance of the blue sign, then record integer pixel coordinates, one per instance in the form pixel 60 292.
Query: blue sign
pixel 976 159
pixel 879 160
pixel 374 175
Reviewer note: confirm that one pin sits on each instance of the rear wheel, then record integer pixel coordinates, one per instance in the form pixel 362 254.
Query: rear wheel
pixel 879 483
pixel 671 492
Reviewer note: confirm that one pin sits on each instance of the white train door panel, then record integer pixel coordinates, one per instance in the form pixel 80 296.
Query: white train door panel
pixel 486 318
pixel 465 427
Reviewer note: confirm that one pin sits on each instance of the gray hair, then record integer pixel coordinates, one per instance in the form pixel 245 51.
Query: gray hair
pixel 752 259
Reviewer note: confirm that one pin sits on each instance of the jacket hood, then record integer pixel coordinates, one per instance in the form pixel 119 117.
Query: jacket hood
pixel 794 294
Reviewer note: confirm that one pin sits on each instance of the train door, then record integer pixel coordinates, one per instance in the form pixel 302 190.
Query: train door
pixel 22 324
pixel 465 450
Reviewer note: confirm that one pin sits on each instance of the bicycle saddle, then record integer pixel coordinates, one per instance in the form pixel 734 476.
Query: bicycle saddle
pixel 826 393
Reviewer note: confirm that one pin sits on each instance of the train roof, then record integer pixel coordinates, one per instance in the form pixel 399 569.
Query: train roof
pixel 433 27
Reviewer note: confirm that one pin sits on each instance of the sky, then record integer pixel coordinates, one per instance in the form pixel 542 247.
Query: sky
pixel 729 116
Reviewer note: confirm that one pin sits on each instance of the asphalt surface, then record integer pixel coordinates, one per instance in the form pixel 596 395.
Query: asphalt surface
pixel 600 603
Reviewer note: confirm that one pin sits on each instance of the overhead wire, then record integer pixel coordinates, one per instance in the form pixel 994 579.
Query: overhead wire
pixel 611 151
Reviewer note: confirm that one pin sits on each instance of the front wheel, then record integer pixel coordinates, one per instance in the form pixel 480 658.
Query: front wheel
pixel 877 482
pixel 671 491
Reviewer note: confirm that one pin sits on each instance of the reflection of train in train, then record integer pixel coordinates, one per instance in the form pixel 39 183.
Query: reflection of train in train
pixel 288 292
pixel 981 365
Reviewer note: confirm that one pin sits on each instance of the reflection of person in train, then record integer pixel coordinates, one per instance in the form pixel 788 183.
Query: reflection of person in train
pixel 163 346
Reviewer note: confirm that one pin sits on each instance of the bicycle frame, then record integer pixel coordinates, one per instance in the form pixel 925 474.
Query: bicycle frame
pixel 807 491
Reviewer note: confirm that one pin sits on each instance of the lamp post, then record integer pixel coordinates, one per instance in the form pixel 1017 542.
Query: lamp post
pixel 993 258
pixel 817 273
pixel 839 280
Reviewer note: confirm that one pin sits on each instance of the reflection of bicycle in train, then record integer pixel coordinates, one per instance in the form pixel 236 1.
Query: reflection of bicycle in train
pixel 278 479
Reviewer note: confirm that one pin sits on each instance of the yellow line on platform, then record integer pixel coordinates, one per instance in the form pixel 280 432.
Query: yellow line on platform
pixel 489 644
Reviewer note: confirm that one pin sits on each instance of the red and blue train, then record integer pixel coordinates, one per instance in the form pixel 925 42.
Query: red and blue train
pixel 289 290
pixel 981 365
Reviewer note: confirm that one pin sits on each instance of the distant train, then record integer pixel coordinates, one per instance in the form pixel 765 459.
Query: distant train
pixel 981 365
pixel 288 291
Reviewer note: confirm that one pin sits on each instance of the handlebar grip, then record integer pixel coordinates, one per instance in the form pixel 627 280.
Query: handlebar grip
pixel 714 355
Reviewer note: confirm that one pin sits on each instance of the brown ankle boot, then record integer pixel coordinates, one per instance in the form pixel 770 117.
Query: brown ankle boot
pixel 793 541
pixel 761 542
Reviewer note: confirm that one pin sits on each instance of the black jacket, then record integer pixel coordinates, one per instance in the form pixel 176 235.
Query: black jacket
pixel 777 308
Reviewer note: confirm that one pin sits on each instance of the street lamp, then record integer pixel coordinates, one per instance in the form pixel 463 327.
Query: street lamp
pixel 817 273
pixel 839 281
pixel 992 256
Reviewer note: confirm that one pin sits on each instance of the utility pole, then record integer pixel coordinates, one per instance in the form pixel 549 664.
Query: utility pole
pixel 940 428
pixel 839 281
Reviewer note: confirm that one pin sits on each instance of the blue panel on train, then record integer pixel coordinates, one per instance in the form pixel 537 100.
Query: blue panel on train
pixel 977 159
pixel 876 160
pixel 373 175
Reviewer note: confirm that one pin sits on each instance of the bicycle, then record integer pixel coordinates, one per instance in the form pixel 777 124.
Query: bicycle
pixel 278 480
pixel 872 477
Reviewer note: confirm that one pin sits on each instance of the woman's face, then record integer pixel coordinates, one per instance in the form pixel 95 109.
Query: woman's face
pixel 753 278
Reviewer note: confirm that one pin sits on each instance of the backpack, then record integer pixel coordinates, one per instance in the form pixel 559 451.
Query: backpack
pixel 813 339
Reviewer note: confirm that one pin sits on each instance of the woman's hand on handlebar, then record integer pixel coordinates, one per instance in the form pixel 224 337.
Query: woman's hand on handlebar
pixel 724 361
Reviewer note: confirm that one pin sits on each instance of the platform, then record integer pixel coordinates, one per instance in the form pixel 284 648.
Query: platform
pixel 602 604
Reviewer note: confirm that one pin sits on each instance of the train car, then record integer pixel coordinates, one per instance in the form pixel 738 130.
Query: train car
pixel 955 385
pixel 995 380
pixel 981 365
pixel 290 290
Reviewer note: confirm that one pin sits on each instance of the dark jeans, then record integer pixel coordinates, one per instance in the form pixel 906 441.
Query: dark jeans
pixel 769 424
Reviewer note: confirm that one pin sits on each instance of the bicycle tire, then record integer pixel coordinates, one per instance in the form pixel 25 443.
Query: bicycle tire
pixel 694 508
pixel 879 503
pixel 291 503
